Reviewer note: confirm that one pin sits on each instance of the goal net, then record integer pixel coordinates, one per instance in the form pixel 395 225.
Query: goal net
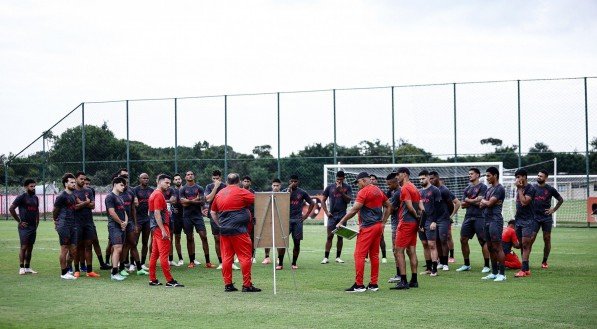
pixel 454 175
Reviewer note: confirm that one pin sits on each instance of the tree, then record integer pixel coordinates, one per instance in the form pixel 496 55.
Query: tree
pixel 492 141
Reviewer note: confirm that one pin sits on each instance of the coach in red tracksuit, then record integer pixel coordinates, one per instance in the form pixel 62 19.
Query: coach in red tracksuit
pixel 230 210
pixel 368 204
pixel 159 223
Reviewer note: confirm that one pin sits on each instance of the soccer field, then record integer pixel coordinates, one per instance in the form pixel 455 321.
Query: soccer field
pixel 564 295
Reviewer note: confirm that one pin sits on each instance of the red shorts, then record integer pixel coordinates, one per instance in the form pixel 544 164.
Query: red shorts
pixel 406 235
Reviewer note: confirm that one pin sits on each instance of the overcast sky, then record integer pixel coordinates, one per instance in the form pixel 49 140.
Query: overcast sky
pixel 56 54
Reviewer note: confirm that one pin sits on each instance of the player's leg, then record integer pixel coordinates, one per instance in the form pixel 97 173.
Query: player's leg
pixel 467 231
pixel 374 249
pixel 492 251
pixel 450 245
pixel 442 244
pixel 227 249
pixel 426 252
pixel 328 243
pixel 205 245
pixel 546 228
pixel 297 236
pixel 382 246
pixel 411 251
pixel 361 250
pixel 189 231
pixel 145 232
pixel 243 248
pixel 528 233
pixel 215 232
pixel 163 248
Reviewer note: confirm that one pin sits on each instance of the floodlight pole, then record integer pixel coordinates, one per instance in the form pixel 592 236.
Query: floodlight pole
pixel 279 172
pixel 519 138
pixel 393 130
pixel 225 135
pixel 83 136
pixel 43 172
pixel 6 188
pixel 128 141
pixel 587 141
pixel 455 128
pixel 175 136
pixel 335 147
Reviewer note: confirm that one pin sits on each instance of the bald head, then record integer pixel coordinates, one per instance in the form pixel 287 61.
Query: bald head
pixel 233 179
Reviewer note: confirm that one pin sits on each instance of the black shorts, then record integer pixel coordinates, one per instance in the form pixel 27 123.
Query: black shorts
pixel 191 223
pixel 28 234
pixel 115 234
pixel 215 229
pixel 143 224
pixel 493 231
pixel 67 232
pixel 333 221
pixel 428 234
pixel 545 224
pixel 176 224
pixel 443 230
pixel 526 228
pixel 296 230
pixel 472 226
pixel 86 230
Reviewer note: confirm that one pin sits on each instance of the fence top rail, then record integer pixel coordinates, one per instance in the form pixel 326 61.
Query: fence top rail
pixel 335 89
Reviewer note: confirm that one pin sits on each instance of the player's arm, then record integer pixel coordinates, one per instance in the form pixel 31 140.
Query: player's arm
pixel 311 205
pixel 456 205
pixel 345 196
pixel 114 216
pixel 324 207
pixel 81 204
pixel 198 201
pixel 350 214
pixel 13 212
pixel 489 203
pixel 158 219
pixel 558 204
pixel 212 194
pixel 525 200
pixel 91 204
pixel 410 208
pixel 214 216
pixel 387 211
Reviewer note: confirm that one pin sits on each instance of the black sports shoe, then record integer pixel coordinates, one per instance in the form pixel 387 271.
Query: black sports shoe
pixel 251 288
pixel 173 283
pixel 413 284
pixel 356 288
pixel 155 283
pixel 105 267
pixel 400 285
pixel 230 288
pixel 372 287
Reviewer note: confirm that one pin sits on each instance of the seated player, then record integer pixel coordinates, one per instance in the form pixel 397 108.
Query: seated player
pixel 510 240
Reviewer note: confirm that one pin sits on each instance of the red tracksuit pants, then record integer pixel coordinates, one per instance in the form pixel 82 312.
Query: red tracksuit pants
pixel 160 248
pixel 512 261
pixel 240 245
pixel 368 243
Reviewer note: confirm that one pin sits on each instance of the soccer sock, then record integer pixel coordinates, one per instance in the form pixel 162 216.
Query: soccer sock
pixel 327 254
pixel 383 253
pixel 101 260
pixel 294 260
pixel 544 260
pixel 467 262
pixel 433 267
pixel 502 269
pixel 77 269
pixel 63 271
pixel 206 258
pixel 494 269
pixel 428 264
pixel 89 268
pixel 525 265
pixel 444 260
pixel 486 262
pixel 397 270
pixel 451 253
pixel 22 265
pixel 138 265
pixel 143 259
pixel 121 267
pixel 179 256
pixel 170 257
pixel 403 278
pixel 114 270
pixel 220 259
pixel 281 260
pixel 413 278
pixel 192 258
pixel 108 257
pixel 338 252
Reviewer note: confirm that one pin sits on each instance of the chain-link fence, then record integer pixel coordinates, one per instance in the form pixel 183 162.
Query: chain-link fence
pixel 271 135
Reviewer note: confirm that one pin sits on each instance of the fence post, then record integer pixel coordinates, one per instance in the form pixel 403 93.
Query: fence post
pixel 175 136
pixel 43 172
pixel 83 135
pixel 6 188
pixel 587 162
pixel 225 135
pixel 128 142
pixel 455 128
pixel 279 169
pixel 335 145
pixel 393 130
pixel 519 138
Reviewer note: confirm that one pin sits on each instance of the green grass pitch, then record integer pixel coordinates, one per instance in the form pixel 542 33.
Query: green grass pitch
pixel 563 296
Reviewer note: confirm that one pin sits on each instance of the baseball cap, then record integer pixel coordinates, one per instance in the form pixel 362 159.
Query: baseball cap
pixel 363 174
